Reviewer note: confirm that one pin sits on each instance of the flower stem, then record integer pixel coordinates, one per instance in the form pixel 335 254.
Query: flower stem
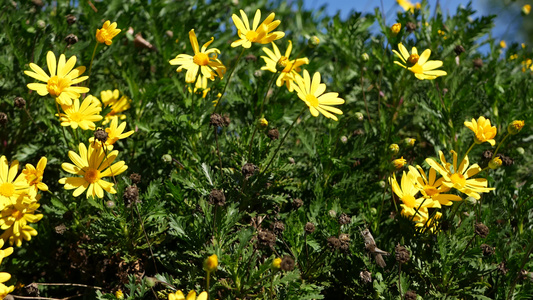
pixel 467 151
pixel 91 64
pixel 229 78
pixel 266 93
pixel 207 283
pixel 62 127
pixel 283 139
pixel 497 148
pixel 250 144
pixel 218 153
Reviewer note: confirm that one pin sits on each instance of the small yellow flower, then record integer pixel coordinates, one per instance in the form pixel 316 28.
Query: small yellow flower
pixel 59 84
pixel 503 44
pixel 119 294
pixel 118 104
pixel 5 290
pixel 495 163
pixel 92 164
pixel 115 132
pixel 15 218
pixel 34 175
pixel 313 42
pixel 107 33
pixel 263 123
pixel 191 296
pixel 515 126
pixel 82 116
pixel 11 186
pixel 409 142
pixel 483 130
pixel 289 69
pixel 312 93
pixel 394 149
pixel 276 264
pixel 526 9
pixel 211 263
pixel 408 5
pixel 204 63
pixel 395 29
pixel 406 191
pixel 399 163
pixel 258 33
pixel 431 187
pixel 419 65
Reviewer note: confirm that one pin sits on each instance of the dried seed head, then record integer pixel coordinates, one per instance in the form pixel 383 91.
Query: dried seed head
pixel 100 135
pixel 410 295
pixel 502 267
pixel 482 230
pixel 248 170
pixel 278 227
pixel 365 276
pixel 507 161
pixel 410 27
pixel 287 263
pixel 487 250
pixel 216 120
pixel 459 49
pixel 135 178
pixel 309 228
pixel 334 243
pixel 3 119
pixel 344 239
pixel 523 274
pixel 250 57
pixel 131 195
pixel 71 39
pixel 227 120
pixel 273 134
pixel 266 238
pixel 402 254
pixel 20 102
pixel 217 197
pixel 71 19
pixel 60 229
pixel 344 219
pixel 478 63
pixel 297 203
pixel 486 155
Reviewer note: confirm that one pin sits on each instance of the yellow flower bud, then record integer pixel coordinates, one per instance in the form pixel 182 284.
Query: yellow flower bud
pixel 399 163
pixel 495 163
pixel 396 28
pixel 526 9
pixel 263 123
pixel 394 148
pixel 276 264
pixel 282 63
pixel 409 142
pixel 365 57
pixel 503 44
pixel 119 294
pixel 313 41
pixel 211 263
pixel 515 126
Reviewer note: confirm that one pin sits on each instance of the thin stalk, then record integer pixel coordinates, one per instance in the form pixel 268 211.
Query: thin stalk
pixel 218 153
pixel 272 287
pixel 207 283
pixel 146 237
pixel 33 121
pixel 497 148
pixel 62 127
pixel 266 93
pixel 91 64
pixel 250 144
pixel 228 80
pixel 283 139
pixel 467 151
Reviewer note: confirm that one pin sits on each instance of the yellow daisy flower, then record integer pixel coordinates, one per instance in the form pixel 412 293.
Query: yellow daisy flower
pixel 118 104
pixel 460 177
pixel 430 224
pixel 408 5
pixel 258 33
pixel 204 61
pixel 411 206
pixel 419 65
pixel 59 84
pixel 5 290
pixel 431 187
pixel 291 69
pixel 15 218
pixel 34 175
pixel 483 131
pixel 115 132
pixel 82 116
pixel 312 93
pixel 93 165
pixel 191 296
pixel 10 187
pixel 107 33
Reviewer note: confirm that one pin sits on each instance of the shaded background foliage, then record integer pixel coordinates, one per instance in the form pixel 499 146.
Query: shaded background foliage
pixel 333 167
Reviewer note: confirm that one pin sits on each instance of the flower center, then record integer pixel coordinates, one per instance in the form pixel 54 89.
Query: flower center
pixel 430 190
pixel 56 85
pixel 413 59
pixel 7 189
pixel 76 117
pixel 251 36
pixel 92 175
pixel 17 215
pixel 409 201
pixel 458 179
pixel 201 59
pixel 312 100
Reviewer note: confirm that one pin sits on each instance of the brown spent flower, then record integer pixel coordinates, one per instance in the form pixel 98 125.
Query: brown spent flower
pixel 273 134
pixel 309 228
pixel 135 178
pixel 3 118
pixel 216 120
pixel 71 19
pixel 60 229
pixel 131 195
pixel 287 263
pixel 487 250
pixel 248 170
pixel 502 267
pixel 410 295
pixel 278 227
pixel 402 254
pixel 410 27
pixel 478 63
pixel 344 219
pixel 227 120
pixel 365 276
pixel 100 135
pixel 71 39
pixel 459 49
pixel 334 243
pixel 344 239
pixel 266 238
pixel 297 203
pixel 217 197
pixel 20 102
pixel 482 230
